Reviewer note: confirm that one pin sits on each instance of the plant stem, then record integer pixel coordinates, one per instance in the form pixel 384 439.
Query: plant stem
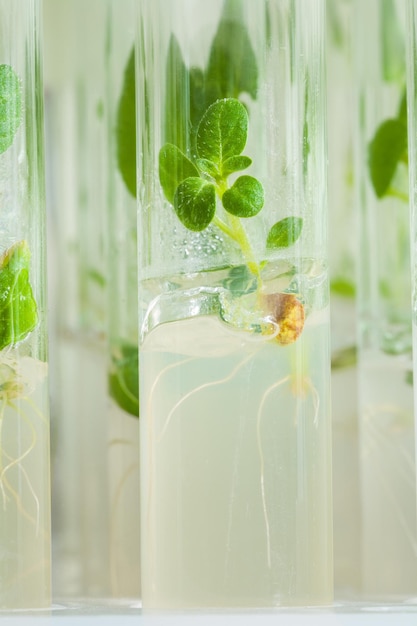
pixel 225 228
pixel 243 241
pixel 236 231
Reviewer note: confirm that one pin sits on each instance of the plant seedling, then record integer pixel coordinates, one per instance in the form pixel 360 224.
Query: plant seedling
pixel 18 311
pixel 18 317
pixel 196 189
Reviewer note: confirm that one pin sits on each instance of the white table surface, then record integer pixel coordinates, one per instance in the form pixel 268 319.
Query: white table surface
pixel 93 614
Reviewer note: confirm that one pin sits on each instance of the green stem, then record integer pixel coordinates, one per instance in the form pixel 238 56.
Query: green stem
pixel 236 231
pixel 243 241
pixel 225 228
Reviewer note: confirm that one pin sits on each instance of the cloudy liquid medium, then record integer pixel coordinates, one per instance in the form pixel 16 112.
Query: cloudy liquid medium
pixel 80 500
pixel 124 515
pixel 345 451
pixel 235 453
pixel 389 536
pixel 24 496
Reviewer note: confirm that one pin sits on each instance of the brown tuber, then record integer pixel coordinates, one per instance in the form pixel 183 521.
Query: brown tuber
pixel 288 312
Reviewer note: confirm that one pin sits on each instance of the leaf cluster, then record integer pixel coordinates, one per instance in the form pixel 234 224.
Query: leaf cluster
pixel 206 129
pixel 203 144
pixel 231 70
pixel 192 187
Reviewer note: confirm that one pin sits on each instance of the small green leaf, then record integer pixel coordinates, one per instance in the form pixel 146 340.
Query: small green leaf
pixel 245 198
pixel 343 287
pixel 223 130
pixel 346 357
pixel 18 310
pixel 240 281
pixel 284 233
pixel 232 67
pixel 235 164
pixel 409 377
pixel 385 151
pixel 96 277
pixel 208 167
pixel 126 128
pixel 174 167
pixel 123 378
pixel 10 106
pixel 195 203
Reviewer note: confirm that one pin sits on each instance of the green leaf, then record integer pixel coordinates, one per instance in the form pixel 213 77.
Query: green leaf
pixel 126 127
pixel 195 203
pixel 235 164
pixel 223 130
pixel 123 379
pixel 284 233
pixel 18 309
pixel 346 357
pixel 177 103
pixel 10 106
pixel 232 67
pixel 240 281
pixel 97 277
pixel 245 198
pixel 409 377
pixel 208 167
pixel 174 167
pixel 343 287
pixel 385 151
